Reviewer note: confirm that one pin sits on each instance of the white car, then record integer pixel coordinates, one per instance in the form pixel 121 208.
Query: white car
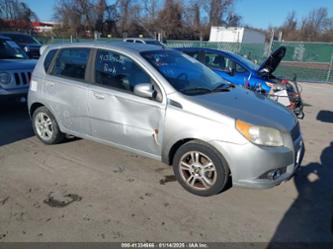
pixel 144 41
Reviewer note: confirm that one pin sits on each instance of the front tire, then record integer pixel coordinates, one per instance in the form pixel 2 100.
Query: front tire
pixel 200 169
pixel 46 127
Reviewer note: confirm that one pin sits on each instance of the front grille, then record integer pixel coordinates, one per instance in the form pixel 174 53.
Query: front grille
pixel 22 78
pixel 296 132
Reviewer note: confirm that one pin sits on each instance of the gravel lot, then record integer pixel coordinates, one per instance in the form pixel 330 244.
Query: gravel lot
pixel 84 191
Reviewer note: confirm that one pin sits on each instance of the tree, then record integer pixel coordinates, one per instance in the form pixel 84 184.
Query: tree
pixel 217 11
pixel 233 20
pixel 16 15
pixel 170 19
pixel 315 24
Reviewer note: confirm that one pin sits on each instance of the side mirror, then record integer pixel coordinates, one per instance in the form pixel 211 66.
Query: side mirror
pixel 144 90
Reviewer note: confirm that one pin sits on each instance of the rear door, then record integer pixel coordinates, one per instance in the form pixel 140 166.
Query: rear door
pixel 117 115
pixel 66 89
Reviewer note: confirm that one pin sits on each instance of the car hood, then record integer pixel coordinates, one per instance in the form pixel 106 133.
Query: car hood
pixel 248 106
pixel 273 61
pixel 17 64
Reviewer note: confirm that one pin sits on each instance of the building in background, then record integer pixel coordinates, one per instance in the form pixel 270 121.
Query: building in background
pixel 236 35
pixel 42 27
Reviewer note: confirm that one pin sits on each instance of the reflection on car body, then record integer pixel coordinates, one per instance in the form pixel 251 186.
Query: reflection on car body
pixel 165 105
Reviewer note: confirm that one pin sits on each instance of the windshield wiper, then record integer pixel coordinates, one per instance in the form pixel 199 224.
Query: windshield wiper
pixel 196 90
pixel 223 87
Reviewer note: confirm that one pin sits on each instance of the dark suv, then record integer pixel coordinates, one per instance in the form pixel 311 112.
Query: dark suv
pixel 15 70
pixel 29 44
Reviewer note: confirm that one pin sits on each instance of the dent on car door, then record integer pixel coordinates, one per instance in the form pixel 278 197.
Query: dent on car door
pixel 117 115
pixel 66 91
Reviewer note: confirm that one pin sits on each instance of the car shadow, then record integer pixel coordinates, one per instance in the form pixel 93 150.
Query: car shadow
pixel 310 216
pixel 325 116
pixel 15 123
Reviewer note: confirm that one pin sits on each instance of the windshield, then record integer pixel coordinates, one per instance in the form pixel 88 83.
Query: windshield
pixel 153 42
pixel 10 50
pixel 247 62
pixel 184 73
pixel 23 39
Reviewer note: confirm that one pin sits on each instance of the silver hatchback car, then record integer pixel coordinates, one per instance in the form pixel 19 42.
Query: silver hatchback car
pixel 163 104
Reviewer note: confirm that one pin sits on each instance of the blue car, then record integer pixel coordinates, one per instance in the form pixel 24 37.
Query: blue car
pixel 241 71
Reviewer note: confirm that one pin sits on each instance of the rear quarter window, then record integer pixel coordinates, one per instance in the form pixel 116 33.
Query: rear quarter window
pixel 72 63
pixel 48 59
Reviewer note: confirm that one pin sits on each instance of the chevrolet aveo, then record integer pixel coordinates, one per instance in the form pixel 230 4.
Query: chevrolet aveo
pixel 168 106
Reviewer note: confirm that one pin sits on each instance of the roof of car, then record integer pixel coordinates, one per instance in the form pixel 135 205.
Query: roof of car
pixel 124 46
pixel 4 37
pixel 138 38
pixel 13 33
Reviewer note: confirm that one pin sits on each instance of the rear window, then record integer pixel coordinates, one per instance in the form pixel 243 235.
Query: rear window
pixel 48 59
pixel 71 62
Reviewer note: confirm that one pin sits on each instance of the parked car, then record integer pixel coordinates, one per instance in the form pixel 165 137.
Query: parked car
pixel 144 41
pixel 15 70
pixel 241 71
pixel 29 44
pixel 168 106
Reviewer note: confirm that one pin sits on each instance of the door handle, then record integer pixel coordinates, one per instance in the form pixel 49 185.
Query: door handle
pixel 99 95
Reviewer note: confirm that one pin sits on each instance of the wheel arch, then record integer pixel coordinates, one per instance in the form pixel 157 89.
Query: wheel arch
pixel 179 143
pixel 169 159
pixel 34 107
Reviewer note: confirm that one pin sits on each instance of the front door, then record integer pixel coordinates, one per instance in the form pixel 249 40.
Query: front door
pixel 66 90
pixel 117 115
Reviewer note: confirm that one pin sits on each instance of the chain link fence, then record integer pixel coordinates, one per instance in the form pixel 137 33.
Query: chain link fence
pixel 310 61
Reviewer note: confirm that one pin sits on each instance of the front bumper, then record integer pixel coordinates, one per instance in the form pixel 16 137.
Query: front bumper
pixel 248 163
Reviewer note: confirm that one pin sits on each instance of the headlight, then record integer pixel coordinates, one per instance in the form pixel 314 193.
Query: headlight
pixel 26 49
pixel 259 134
pixel 5 78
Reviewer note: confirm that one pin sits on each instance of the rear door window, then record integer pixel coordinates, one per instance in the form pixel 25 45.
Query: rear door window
pixel 48 59
pixel 218 61
pixel 72 63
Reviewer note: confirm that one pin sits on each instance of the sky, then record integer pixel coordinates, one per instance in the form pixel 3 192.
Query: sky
pixel 256 13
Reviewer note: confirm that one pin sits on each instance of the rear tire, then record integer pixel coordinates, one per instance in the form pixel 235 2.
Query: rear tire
pixel 200 169
pixel 46 127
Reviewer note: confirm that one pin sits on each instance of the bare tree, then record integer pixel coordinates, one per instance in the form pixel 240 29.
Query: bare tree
pixel 170 19
pixel 316 23
pixel 233 20
pixel 151 8
pixel 124 10
pixel 18 13
pixel 217 10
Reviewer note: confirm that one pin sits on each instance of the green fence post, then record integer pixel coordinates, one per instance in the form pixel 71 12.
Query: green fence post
pixel 330 69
